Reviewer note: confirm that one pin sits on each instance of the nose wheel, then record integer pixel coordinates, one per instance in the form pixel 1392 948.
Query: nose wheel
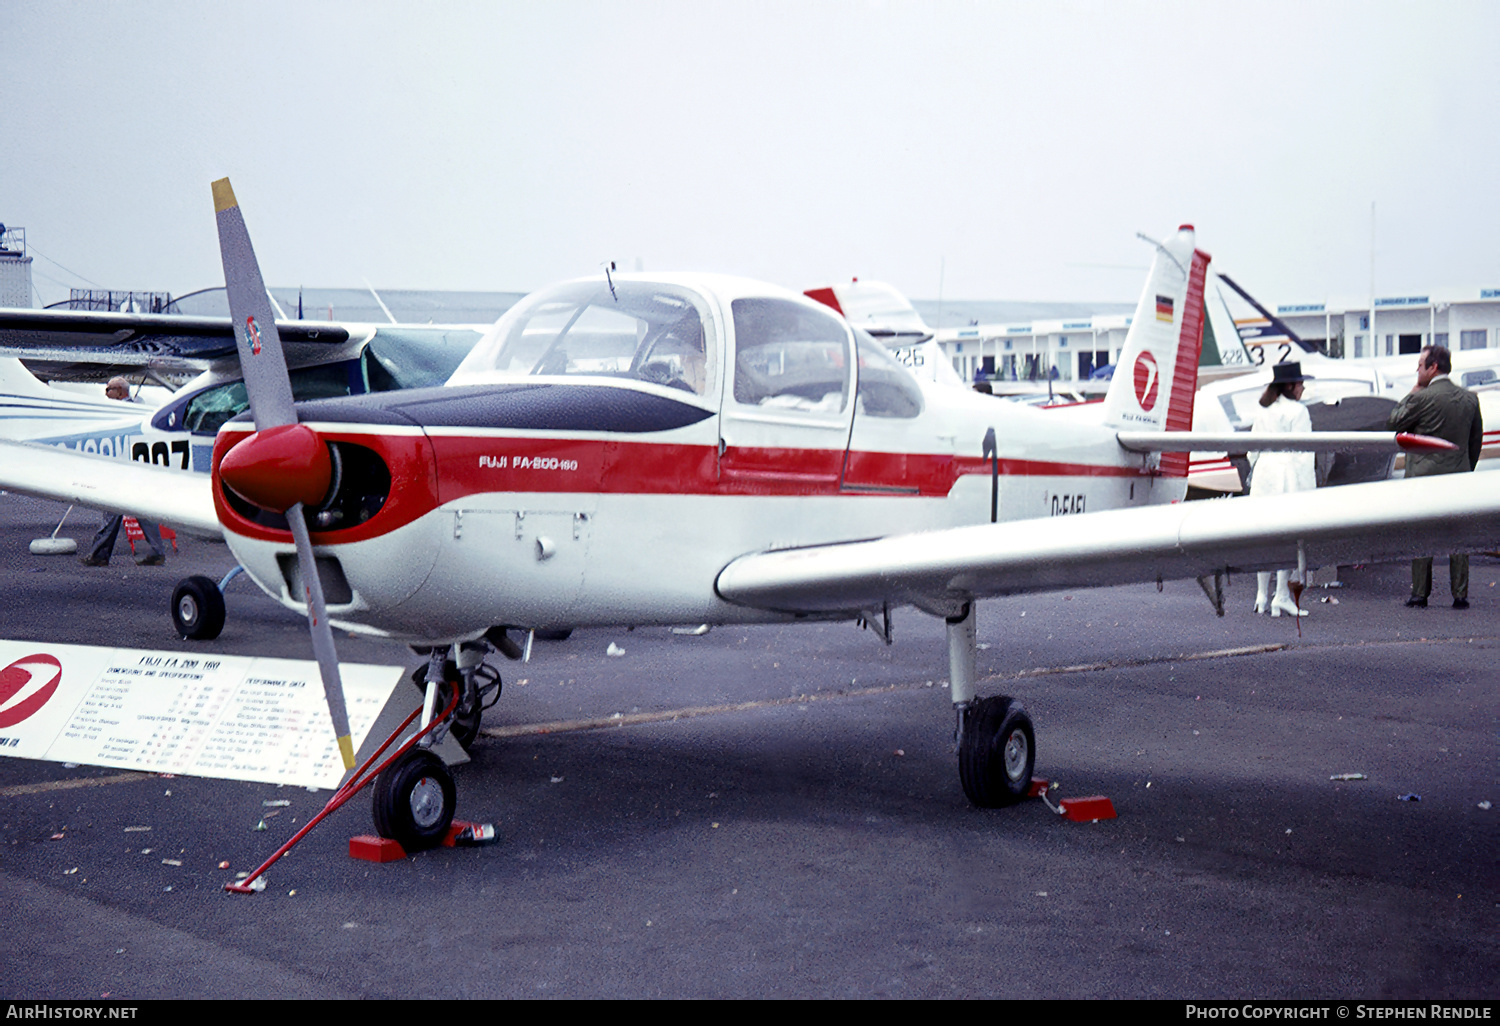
pixel 996 752
pixel 414 800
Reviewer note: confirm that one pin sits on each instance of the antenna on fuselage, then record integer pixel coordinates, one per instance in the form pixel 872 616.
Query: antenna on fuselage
pixel 607 269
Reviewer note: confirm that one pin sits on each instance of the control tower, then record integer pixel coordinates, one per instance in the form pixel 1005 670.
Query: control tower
pixel 15 268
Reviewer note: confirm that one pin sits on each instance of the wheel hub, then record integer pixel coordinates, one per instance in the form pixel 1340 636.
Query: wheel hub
pixel 1015 754
pixel 426 802
pixel 187 609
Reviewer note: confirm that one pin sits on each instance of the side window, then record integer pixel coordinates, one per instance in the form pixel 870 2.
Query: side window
pixel 210 409
pixel 886 388
pixel 789 356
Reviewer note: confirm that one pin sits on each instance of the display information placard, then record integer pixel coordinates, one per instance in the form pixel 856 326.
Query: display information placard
pixel 236 717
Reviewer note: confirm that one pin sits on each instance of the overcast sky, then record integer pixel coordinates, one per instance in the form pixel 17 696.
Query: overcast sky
pixel 994 150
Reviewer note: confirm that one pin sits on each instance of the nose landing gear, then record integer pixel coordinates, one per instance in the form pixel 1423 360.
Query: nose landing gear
pixel 414 796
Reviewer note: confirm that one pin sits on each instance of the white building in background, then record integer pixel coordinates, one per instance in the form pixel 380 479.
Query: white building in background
pixel 1028 351
pixel 1458 319
pixel 15 268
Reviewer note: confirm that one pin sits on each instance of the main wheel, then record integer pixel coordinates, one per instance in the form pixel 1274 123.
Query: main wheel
pixel 198 609
pixel 414 799
pixel 997 752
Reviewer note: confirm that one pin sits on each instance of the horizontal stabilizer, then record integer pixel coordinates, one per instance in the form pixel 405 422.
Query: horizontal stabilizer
pixel 1302 441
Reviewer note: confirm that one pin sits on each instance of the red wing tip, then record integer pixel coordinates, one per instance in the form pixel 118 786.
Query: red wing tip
pixel 1423 443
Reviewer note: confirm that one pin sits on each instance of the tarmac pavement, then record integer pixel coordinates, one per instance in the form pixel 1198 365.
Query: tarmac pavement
pixel 812 841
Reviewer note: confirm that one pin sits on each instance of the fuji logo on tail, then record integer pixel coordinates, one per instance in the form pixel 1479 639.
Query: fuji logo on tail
pixel 1147 377
pixel 25 686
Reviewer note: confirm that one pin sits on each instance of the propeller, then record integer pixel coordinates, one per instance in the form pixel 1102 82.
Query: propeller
pixel 284 465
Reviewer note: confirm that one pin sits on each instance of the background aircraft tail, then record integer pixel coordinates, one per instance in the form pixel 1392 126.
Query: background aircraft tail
pixel 1157 375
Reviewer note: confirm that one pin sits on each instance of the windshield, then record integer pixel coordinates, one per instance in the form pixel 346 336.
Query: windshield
pixel 210 408
pixel 414 357
pixel 641 330
pixel 1242 405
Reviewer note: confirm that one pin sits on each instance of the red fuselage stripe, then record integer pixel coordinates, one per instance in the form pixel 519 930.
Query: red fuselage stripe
pixel 481 465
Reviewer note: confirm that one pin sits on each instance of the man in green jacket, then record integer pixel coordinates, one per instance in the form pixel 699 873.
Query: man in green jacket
pixel 1436 406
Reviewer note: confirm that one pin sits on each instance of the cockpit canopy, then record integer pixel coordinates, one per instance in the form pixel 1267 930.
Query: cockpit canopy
pixel 647 331
pixel 787 352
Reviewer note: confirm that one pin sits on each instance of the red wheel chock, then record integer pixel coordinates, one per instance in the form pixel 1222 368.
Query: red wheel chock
pixel 370 848
pixel 1076 810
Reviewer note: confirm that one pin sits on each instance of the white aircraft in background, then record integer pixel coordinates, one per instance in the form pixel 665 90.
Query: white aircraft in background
pixel 690 449
pixel 176 427
pixel 1349 393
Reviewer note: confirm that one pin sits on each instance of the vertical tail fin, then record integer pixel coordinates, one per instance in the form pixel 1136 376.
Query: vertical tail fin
pixel 1157 375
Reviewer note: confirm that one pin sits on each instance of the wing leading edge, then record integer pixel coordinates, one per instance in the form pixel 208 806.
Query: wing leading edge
pixel 137 338
pixel 174 497
pixel 934 570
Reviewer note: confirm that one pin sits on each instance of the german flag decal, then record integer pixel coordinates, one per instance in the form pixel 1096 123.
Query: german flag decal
pixel 1164 308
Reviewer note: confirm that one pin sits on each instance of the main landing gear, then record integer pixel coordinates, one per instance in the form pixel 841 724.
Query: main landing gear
pixel 996 741
pixel 198 606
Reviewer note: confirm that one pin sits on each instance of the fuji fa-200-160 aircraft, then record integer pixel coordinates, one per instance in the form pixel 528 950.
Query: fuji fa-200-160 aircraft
pixel 689 449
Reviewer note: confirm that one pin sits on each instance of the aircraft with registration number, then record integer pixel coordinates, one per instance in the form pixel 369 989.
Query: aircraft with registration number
pixel 701 449
pixel 175 427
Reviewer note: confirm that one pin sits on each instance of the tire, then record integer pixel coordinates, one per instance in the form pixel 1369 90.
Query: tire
pixel 414 800
pixel 997 753
pixel 562 634
pixel 198 609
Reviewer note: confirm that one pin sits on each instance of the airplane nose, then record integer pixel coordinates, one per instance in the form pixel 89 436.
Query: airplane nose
pixel 279 467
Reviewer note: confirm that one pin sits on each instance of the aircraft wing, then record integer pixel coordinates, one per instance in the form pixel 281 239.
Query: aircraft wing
pixel 134 338
pixel 174 497
pixel 937 570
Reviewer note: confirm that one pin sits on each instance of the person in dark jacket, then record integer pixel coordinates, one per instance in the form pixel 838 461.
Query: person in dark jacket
pixel 104 542
pixel 1436 406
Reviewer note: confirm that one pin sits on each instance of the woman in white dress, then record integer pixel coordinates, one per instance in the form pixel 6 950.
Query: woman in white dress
pixel 1276 473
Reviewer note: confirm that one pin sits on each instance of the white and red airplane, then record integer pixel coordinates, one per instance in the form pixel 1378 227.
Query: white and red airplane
pixel 690 449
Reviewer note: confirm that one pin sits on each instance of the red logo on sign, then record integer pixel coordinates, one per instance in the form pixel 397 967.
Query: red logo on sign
pixel 1146 378
pixel 25 686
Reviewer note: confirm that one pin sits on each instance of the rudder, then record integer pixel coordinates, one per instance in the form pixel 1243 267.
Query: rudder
pixel 1156 376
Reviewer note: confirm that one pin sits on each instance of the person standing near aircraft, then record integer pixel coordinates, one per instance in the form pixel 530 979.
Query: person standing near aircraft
pixel 104 542
pixel 1436 406
pixel 1276 473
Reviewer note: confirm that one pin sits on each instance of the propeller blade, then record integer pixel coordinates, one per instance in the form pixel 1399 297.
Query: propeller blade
pixel 322 633
pixel 269 388
pixel 266 380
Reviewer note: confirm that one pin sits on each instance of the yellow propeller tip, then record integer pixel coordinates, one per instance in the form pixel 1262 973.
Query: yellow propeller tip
pixel 223 196
pixel 346 749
